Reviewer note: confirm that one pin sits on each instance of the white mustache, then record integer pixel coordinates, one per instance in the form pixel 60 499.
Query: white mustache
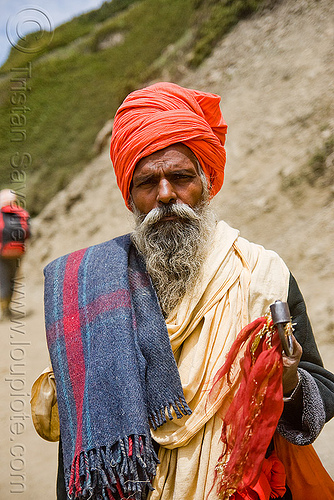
pixel 181 210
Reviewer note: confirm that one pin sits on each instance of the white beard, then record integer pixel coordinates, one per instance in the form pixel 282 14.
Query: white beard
pixel 174 250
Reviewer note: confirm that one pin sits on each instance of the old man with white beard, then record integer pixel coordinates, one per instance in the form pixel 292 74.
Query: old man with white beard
pixel 153 338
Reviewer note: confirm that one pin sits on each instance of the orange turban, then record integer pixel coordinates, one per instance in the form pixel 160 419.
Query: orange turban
pixel 163 114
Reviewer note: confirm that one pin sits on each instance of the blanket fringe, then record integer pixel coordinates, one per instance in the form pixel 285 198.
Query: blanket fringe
pixel 180 407
pixel 126 468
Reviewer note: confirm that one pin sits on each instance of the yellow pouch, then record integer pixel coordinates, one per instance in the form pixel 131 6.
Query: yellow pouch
pixel 44 407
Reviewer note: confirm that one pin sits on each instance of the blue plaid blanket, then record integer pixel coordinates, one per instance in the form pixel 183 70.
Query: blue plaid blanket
pixel 114 368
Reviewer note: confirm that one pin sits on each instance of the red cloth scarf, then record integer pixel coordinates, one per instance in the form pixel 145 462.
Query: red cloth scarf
pixel 163 114
pixel 242 471
pixel 251 419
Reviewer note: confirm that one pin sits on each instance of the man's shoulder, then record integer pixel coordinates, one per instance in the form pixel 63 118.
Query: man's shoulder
pixel 225 231
pixel 253 252
pixel 254 255
pixel 268 275
pixel 106 249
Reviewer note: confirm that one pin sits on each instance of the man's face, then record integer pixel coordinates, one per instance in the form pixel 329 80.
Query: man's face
pixel 166 177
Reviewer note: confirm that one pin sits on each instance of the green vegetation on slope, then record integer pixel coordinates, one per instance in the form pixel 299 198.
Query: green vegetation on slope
pixel 67 33
pixel 317 172
pixel 217 20
pixel 52 111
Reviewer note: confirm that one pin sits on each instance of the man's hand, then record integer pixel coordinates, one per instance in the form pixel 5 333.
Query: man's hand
pixel 290 365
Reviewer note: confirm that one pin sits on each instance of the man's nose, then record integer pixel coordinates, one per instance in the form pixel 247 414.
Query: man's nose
pixel 166 193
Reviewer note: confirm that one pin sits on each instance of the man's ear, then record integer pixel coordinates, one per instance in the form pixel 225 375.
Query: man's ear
pixel 210 187
pixel 130 203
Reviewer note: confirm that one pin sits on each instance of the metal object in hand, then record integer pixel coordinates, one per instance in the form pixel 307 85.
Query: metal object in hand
pixel 280 314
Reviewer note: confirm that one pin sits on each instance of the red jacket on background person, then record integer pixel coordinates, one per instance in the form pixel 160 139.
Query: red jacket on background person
pixel 14 230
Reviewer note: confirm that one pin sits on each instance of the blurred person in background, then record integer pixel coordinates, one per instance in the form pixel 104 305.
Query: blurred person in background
pixel 14 231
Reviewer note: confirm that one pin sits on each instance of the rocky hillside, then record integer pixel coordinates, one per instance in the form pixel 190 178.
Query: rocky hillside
pixel 275 74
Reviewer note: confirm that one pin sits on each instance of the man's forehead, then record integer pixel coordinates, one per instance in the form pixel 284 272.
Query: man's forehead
pixel 177 153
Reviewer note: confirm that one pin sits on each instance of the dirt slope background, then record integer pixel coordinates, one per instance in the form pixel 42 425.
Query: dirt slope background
pixel 275 74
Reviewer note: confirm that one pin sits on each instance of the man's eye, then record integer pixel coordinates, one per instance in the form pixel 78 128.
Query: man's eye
pixel 180 175
pixel 146 182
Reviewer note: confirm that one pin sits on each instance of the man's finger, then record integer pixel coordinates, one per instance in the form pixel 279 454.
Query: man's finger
pixel 297 349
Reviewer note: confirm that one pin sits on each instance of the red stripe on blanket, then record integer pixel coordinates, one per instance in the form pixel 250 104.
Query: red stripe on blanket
pixel 87 314
pixel 72 334
pixel 105 303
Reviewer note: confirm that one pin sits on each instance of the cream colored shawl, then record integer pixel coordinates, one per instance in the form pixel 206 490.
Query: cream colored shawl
pixel 239 282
